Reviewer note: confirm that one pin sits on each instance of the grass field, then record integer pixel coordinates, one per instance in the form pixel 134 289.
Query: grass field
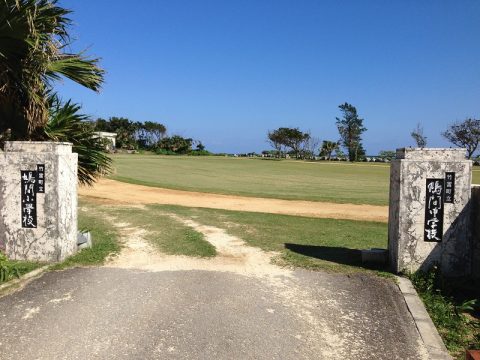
pixel 294 180
pixel 359 183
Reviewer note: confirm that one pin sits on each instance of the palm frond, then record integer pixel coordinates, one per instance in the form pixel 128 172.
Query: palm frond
pixel 33 39
pixel 67 124
pixel 82 70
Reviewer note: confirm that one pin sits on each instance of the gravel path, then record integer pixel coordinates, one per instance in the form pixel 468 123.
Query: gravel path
pixel 119 192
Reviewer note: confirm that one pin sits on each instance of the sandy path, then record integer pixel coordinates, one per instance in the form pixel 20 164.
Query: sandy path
pixel 119 192
pixel 233 254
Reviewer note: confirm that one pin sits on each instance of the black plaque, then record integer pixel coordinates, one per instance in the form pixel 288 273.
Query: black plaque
pixel 29 199
pixel 449 187
pixel 434 210
pixel 41 178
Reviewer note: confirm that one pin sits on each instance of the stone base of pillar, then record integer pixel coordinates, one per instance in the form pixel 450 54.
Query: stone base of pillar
pixel 38 201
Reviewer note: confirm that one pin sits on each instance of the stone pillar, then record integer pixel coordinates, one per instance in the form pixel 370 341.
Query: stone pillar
pixel 38 220
pixel 416 237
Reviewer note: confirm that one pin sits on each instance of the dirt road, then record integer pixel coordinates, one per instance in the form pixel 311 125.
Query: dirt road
pixel 120 192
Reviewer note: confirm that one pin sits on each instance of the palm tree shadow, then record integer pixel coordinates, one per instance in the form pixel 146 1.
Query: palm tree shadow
pixel 339 255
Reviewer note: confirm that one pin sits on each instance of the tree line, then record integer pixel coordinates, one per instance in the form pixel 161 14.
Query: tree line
pixel 301 145
pixel 464 134
pixel 148 135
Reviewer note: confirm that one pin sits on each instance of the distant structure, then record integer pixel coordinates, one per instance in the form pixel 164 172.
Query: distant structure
pixel 110 137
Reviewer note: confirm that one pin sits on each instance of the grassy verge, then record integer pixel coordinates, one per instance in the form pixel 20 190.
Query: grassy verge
pixel 323 244
pixel 326 244
pixel 454 309
pixel 165 233
pixel 104 240
pixel 476 175
pixel 11 269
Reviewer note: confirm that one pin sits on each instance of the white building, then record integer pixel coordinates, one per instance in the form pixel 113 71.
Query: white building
pixel 111 137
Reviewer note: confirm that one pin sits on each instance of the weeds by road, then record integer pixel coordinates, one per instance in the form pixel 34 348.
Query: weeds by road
pixel 454 309
pixel 11 269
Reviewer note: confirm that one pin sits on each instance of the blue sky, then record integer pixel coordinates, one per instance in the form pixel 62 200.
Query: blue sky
pixel 225 72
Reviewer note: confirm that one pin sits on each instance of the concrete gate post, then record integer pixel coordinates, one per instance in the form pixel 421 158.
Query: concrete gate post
pixel 38 201
pixel 430 191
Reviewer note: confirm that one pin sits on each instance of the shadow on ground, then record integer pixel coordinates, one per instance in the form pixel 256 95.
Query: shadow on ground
pixel 339 255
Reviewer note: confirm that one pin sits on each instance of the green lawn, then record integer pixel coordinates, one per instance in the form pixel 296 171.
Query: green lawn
pixel 340 182
pixel 287 179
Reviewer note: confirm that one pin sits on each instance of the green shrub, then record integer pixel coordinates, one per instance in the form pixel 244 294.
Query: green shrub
pixel 200 153
pixel 164 152
pixel 10 269
pixel 453 316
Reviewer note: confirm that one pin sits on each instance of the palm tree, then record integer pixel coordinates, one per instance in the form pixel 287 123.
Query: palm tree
pixel 33 55
pixel 67 124
pixel 327 148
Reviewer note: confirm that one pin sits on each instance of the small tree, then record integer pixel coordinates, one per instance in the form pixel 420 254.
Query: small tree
pixel 296 139
pixel 309 147
pixel 276 138
pixel 327 148
pixel 154 132
pixel 200 146
pixel 283 138
pixel 176 144
pixel 464 134
pixel 417 135
pixel 350 126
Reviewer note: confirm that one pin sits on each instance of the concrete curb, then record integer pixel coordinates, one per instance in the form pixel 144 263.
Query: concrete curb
pixel 428 332
pixel 23 279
